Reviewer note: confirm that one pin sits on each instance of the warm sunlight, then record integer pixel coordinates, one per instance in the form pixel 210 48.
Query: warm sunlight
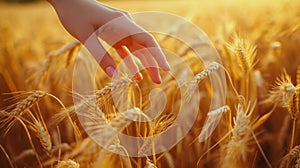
pixel 171 83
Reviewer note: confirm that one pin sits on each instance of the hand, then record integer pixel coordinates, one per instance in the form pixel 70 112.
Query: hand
pixel 87 20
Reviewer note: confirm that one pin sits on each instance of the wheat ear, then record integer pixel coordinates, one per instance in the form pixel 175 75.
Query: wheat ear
pixel 121 83
pixel 67 164
pixel 43 135
pixel 99 96
pixel 149 164
pixel 213 118
pixel 283 91
pixel 236 149
pixel 199 77
pixel 294 111
pixel 20 109
pixel 105 131
pixel 244 51
pixel 220 110
pixel 286 94
pixel 73 48
pixel 294 153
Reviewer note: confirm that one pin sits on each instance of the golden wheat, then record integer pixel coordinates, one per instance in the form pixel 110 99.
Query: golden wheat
pixel 70 47
pixel 149 164
pixel 244 51
pixel 293 154
pixel 266 44
pixel 237 148
pixel 20 109
pixel 213 118
pixel 160 125
pixel 68 164
pixel 43 135
pixel 199 77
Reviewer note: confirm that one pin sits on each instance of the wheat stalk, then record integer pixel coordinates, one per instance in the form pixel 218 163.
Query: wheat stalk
pixel 51 57
pixel 295 106
pixel 30 140
pixel 298 75
pixel 286 94
pixel 40 130
pixel 7 156
pixel 160 125
pixel 237 148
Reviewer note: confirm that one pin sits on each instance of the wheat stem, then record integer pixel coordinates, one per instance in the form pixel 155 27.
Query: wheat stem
pixel 292 140
pixel 260 149
pixel 298 75
pixel 30 141
pixel 7 156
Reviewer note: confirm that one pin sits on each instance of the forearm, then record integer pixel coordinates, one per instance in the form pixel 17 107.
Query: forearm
pixel 68 9
pixel 54 3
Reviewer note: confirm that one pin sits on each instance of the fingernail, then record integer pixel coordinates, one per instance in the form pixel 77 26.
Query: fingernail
pixel 157 80
pixel 139 76
pixel 110 71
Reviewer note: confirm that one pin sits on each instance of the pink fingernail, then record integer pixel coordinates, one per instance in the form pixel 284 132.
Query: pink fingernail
pixel 157 80
pixel 139 76
pixel 110 71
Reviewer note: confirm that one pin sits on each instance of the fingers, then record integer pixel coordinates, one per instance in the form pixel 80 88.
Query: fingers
pixel 148 61
pixel 101 55
pixel 148 41
pixel 125 55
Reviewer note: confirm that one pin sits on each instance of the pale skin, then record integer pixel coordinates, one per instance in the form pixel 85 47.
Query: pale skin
pixel 87 20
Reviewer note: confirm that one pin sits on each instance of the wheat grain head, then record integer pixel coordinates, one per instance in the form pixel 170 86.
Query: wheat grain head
pixel 9 120
pixel 244 51
pixel 68 164
pixel 237 148
pixel 199 77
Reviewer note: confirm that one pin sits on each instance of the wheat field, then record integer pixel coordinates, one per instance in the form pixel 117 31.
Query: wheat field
pixel 259 46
